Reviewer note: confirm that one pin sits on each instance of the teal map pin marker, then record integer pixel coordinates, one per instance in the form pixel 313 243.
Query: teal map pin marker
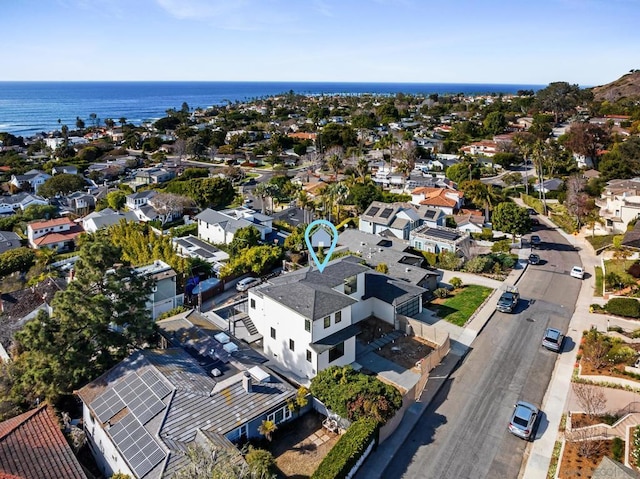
pixel 314 228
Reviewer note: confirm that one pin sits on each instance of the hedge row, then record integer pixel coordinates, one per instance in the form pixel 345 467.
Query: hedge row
pixel 349 448
pixel 628 307
pixel 532 202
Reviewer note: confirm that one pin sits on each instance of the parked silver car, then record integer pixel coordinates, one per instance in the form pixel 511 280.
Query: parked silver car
pixel 246 283
pixel 552 339
pixel 523 420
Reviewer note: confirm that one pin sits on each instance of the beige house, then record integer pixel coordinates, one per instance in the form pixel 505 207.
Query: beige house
pixel 619 204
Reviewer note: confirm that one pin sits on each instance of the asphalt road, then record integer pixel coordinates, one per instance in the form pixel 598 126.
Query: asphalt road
pixel 463 433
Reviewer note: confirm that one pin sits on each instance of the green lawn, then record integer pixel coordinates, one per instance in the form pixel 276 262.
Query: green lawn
pixel 599 242
pixel 458 309
pixel 599 280
pixel 619 267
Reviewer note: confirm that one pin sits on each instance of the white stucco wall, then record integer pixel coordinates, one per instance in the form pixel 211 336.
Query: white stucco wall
pixel 104 451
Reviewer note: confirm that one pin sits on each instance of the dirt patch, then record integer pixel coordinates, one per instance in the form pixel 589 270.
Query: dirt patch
pixel 573 465
pixel 406 351
pixel 372 329
pixel 579 419
pixel 299 448
pixel 613 370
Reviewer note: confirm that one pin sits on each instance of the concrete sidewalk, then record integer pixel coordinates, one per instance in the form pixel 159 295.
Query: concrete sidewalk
pixel 555 400
pixel 375 465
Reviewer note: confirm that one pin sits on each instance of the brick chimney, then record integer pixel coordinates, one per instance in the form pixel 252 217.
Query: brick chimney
pixel 247 382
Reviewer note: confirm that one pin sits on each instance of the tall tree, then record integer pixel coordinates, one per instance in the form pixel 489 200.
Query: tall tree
pixel 558 98
pixel 587 139
pixel 96 322
pixel 63 183
pixel 511 219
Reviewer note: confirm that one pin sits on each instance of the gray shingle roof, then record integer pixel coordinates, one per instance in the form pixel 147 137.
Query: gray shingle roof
pixel 309 292
pixel 197 404
pixel 389 290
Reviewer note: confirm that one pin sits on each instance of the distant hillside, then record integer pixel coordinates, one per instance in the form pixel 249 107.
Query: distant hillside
pixel 626 86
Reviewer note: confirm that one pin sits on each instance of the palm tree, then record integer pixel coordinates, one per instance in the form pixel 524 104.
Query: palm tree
pixel 261 191
pixel 306 204
pixel 524 142
pixel 540 153
pixel 337 193
pixel 267 428
pixel 122 121
pixel 362 167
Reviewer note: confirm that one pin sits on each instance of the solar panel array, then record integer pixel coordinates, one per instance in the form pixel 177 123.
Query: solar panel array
pixel 138 447
pixel 372 211
pixel 442 233
pixel 155 384
pixel 386 213
pixel 107 405
pixel 139 398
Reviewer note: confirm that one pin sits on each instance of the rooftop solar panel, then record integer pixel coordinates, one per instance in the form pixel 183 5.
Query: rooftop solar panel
pixel 372 211
pixel 138 447
pixel 107 405
pixel 386 213
pixel 155 384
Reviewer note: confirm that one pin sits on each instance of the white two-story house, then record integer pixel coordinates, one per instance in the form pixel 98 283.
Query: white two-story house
pixel 220 226
pixel 309 320
pixel 398 219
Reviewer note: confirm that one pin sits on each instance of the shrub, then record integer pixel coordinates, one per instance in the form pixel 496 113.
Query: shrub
pixel 448 260
pixel 617 449
pixel 349 448
pixel 456 282
pixel 627 307
pixel 634 269
pixel 441 293
pixel 620 353
pixel 502 246
pixel 354 395
pixel 595 307
pixel 486 235
pixel 382 268
pixel 532 202
pixel 260 462
pixel 506 260
pixel 479 264
pixel 19 259
pixel 431 258
pixel 635 334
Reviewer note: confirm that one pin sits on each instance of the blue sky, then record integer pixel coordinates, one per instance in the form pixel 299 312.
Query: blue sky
pixel 589 42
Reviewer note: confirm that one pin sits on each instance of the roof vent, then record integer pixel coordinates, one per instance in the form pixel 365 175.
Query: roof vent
pixel 407 269
pixel 215 372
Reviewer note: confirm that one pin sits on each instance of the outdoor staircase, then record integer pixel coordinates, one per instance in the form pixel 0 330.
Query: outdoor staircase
pixel 251 328
pixel 604 431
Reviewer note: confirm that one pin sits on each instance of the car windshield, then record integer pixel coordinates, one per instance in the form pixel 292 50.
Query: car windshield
pixel 507 296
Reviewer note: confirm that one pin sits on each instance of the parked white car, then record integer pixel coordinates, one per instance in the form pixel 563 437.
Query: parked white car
pixel 246 283
pixel 577 272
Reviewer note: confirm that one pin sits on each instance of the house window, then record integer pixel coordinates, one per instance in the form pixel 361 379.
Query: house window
pixel 336 352
pixel 338 317
pixel 327 322
pixel 273 333
pixel 351 285
pixel 411 308
pixel 253 303
pixel 279 415
pixel 307 325
pixel 292 345
pixel 308 356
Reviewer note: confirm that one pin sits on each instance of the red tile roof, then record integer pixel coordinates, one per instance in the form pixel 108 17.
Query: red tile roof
pixel 50 223
pixel 32 446
pixel 57 237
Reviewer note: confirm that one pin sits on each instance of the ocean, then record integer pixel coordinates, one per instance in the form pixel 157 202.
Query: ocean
pixel 28 108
